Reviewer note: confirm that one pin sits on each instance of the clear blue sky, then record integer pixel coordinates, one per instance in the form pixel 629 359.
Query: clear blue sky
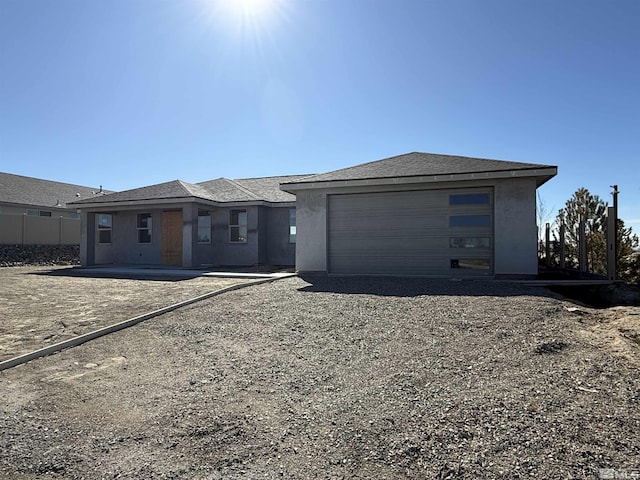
pixel 127 93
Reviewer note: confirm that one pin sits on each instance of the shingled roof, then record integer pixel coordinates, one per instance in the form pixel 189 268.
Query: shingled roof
pixel 417 164
pixel 221 190
pixel 28 191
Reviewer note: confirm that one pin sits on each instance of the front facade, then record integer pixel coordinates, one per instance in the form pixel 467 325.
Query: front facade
pixel 421 214
pixel 218 223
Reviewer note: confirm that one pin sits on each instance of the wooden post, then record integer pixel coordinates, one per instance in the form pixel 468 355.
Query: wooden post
pixel 562 248
pixel 547 245
pixel 611 243
pixel 582 245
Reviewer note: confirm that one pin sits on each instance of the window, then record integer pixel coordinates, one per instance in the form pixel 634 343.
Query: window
pixel 144 228
pixel 105 222
pixel 471 263
pixel 470 221
pixel 469 242
pixel 238 226
pixel 469 199
pixel 204 226
pixel 292 225
pixel 38 213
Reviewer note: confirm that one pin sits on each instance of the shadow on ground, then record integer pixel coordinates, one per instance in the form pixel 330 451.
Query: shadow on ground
pixel 415 286
pixel 141 274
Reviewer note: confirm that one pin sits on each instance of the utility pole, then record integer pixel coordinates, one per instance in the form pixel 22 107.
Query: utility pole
pixel 615 226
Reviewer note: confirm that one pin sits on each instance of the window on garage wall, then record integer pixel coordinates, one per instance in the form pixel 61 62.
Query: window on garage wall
pixel 470 221
pixel 469 199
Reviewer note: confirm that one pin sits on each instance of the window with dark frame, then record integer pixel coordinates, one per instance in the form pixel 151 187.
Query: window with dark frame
pixel 204 226
pixel 469 199
pixel 105 226
pixel 470 221
pixel 292 225
pixel 144 228
pixel 238 226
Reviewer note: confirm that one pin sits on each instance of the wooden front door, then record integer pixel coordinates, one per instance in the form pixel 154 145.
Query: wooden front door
pixel 172 237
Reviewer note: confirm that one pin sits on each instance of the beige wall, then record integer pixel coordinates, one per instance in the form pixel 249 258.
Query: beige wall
pixel 32 230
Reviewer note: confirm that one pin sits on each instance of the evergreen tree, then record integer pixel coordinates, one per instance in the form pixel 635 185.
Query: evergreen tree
pixel 594 211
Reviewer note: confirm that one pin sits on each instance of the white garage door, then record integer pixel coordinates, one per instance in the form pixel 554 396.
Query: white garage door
pixel 425 232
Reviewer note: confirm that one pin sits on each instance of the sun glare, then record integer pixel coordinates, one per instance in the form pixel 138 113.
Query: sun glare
pixel 249 10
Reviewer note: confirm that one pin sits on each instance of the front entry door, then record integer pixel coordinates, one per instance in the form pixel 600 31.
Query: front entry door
pixel 172 237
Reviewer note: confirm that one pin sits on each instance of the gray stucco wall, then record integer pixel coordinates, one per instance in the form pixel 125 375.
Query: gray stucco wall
pixel 267 238
pixel 515 228
pixel 514 223
pixel 279 250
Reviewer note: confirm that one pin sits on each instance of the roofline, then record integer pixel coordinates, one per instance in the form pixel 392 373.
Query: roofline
pixel 129 204
pixel 544 173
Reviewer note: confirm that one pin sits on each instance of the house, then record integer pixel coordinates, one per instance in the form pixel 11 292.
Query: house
pixel 220 222
pixel 36 211
pixel 420 214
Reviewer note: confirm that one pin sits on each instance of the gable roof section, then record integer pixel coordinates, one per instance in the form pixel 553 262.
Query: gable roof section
pixel 20 190
pixel 220 190
pixel 417 164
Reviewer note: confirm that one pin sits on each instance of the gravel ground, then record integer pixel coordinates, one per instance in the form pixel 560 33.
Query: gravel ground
pixel 40 306
pixel 337 379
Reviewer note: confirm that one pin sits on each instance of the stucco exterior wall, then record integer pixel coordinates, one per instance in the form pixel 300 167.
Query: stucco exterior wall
pixel 515 249
pixel 230 253
pixel 311 220
pixel 279 250
pixel 515 230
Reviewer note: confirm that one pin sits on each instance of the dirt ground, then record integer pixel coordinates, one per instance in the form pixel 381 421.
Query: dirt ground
pixel 329 378
pixel 40 306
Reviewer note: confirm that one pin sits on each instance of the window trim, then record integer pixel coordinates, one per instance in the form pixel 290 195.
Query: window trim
pixel 108 228
pixel 204 214
pixel 239 226
pixel 148 228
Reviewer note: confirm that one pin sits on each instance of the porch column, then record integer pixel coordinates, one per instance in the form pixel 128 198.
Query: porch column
pixel 189 223
pixel 87 238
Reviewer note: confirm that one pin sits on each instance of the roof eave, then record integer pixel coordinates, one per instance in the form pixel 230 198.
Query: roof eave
pixel 130 204
pixel 543 174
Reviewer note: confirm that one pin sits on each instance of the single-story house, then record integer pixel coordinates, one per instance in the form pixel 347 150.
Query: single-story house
pixel 220 222
pixel 420 214
pixel 37 211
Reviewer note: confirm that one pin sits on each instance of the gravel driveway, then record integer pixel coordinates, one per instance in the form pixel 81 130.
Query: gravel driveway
pixel 40 306
pixel 335 378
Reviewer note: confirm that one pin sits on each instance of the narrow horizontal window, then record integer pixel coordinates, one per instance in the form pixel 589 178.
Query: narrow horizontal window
pixel 204 226
pixel 469 199
pixel 470 221
pixel 471 263
pixel 469 242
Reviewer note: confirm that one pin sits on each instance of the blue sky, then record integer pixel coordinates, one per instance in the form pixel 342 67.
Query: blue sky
pixel 127 93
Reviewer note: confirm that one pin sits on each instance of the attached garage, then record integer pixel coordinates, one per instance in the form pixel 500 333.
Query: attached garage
pixel 420 214
pixel 424 232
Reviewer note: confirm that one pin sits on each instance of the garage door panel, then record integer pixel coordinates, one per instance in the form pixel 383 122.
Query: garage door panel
pixel 408 233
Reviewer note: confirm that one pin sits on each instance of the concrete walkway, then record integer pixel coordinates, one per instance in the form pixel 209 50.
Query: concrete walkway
pixel 135 272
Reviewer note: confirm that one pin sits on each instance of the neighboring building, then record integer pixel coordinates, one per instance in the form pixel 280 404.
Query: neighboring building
pixel 420 214
pixel 36 211
pixel 216 223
